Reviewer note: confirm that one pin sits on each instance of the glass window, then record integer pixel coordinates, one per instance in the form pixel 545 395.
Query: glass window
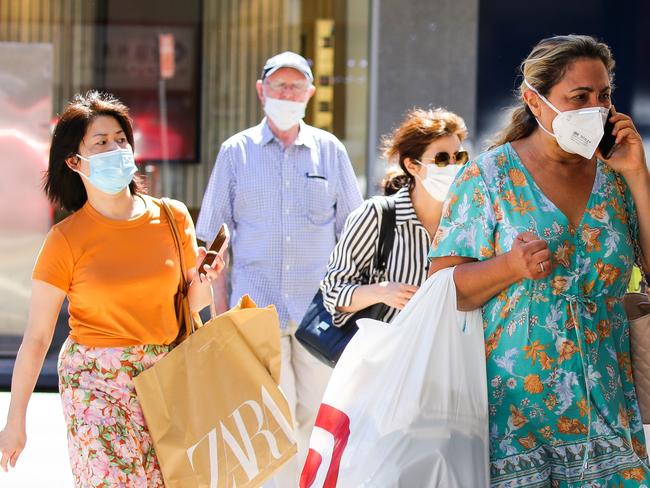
pixel 188 91
pixel 150 59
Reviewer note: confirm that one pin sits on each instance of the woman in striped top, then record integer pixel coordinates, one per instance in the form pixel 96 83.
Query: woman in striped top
pixel 427 146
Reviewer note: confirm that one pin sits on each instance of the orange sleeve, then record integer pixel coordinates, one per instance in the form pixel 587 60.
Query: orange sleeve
pixel 55 263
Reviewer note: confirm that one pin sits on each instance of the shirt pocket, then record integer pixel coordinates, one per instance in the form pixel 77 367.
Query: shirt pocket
pixel 319 203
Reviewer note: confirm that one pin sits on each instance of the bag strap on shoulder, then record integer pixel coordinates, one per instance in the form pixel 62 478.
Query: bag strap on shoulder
pixel 182 286
pixel 386 233
pixel 638 254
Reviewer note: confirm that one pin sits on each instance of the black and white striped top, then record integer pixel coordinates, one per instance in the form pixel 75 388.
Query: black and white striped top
pixel 351 262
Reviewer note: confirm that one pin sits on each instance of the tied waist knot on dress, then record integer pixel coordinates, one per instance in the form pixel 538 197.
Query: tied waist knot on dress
pixel 588 303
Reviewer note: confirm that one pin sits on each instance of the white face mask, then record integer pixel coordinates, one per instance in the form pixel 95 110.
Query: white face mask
pixel 284 113
pixel 438 180
pixel 576 131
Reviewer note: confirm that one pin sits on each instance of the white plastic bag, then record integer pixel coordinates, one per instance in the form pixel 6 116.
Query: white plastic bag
pixel 406 405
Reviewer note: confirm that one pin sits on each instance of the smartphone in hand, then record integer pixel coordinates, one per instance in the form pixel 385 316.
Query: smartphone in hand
pixel 218 246
pixel 607 143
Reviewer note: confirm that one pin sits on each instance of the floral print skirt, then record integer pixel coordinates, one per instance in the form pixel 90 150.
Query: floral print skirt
pixel 108 440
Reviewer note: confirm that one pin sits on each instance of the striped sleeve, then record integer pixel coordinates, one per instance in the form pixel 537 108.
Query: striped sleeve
pixel 351 260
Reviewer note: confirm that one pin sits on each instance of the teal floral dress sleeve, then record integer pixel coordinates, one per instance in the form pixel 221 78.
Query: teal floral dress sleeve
pixel 468 219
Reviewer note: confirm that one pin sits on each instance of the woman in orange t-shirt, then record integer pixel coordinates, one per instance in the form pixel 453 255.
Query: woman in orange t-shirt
pixel 116 261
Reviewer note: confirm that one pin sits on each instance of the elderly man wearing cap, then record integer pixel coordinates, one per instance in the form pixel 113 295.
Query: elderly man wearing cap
pixel 285 190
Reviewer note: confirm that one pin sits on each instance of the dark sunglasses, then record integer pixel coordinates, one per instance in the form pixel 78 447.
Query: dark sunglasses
pixel 443 159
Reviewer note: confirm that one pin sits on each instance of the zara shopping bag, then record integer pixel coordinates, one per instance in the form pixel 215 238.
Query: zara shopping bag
pixel 212 405
pixel 406 405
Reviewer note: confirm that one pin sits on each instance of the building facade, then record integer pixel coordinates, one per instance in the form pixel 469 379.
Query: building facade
pixel 188 68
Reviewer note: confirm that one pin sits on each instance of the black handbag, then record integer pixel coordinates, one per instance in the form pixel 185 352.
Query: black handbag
pixel 316 331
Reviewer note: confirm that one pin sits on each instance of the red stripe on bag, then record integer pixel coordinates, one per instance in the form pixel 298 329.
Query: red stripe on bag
pixel 336 423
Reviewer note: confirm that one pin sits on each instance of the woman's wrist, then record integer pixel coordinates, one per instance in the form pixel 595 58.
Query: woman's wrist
pixel 199 295
pixel 513 275
pixel 16 420
pixel 637 179
pixel 363 296
pixel 377 291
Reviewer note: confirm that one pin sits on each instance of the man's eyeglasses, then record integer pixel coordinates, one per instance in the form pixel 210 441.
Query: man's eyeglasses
pixel 281 86
pixel 443 159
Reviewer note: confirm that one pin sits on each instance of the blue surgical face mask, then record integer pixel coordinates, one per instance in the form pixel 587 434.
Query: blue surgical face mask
pixel 110 171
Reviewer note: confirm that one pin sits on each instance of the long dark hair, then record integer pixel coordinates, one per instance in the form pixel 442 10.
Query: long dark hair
pixel 544 67
pixel 63 186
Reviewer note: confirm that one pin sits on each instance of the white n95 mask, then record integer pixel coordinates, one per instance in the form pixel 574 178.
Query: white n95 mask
pixel 576 131
pixel 438 180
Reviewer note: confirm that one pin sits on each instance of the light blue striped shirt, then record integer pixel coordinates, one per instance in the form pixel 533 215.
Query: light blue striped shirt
pixel 285 209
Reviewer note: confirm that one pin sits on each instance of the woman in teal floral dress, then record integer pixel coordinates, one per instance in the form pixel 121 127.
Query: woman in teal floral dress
pixel 542 231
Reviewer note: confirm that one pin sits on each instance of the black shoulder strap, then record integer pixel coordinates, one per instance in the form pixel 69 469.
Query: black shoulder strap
pixel 386 233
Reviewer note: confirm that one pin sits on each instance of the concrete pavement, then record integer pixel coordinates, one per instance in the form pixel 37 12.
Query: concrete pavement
pixel 44 462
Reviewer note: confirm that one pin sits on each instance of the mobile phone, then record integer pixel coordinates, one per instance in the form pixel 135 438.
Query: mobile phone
pixel 607 143
pixel 217 247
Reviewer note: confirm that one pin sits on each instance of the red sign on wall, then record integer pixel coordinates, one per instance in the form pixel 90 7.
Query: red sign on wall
pixel 166 50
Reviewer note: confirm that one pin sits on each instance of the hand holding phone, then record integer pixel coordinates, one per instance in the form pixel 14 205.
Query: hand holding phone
pixel 607 144
pixel 218 247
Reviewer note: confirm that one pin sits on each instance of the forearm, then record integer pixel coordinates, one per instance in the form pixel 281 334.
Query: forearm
pixel 200 296
pixel 27 367
pixel 43 310
pixel 362 297
pixel 640 189
pixel 202 292
pixel 479 281
pixel 220 291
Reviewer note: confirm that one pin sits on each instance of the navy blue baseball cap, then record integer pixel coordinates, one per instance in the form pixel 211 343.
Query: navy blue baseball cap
pixel 287 59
